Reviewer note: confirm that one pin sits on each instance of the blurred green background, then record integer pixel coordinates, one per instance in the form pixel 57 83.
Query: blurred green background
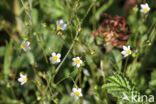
pixel 35 21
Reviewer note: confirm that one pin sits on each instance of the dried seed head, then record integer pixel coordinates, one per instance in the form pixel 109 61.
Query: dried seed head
pixel 115 32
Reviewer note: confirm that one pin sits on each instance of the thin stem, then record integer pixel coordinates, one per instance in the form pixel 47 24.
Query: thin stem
pixel 79 75
pixel 74 82
pixel 27 12
pixel 88 11
pixel 62 80
pixel 125 66
pixel 57 69
pixel 41 89
pixel 12 91
pixel 68 76
pixel 94 11
pixel 45 57
pixel 48 84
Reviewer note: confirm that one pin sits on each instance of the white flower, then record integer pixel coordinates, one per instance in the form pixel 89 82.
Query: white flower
pixel 144 8
pixel 77 62
pixel 61 25
pixel 76 93
pixel 23 79
pixel 55 58
pixel 25 45
pixel 86 73
pixel 126 51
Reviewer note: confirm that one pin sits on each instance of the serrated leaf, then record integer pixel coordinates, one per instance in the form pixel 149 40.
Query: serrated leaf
pixel 119 84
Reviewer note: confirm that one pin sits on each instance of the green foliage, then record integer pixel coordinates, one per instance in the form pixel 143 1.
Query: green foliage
pixel 35 21
pixel 153 79
pixel 119 85
pixel 116 60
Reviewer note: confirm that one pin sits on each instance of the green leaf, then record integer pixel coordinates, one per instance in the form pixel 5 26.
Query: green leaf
pixel 153 79
pixel 35 16
pixel 118 85
pixel 116 59
pixel 7 58
pixel 30 57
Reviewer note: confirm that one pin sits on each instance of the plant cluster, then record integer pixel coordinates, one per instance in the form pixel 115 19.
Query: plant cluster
pixel 54 52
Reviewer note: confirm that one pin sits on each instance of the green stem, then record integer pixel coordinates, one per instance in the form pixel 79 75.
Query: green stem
pixel 68 76
pixel 57 69
pixel 74 82
pixel 43 53
pixel 124 71
pixel 12 91
pixel 27 12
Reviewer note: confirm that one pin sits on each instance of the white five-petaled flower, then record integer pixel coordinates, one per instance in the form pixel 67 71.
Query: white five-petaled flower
pixel 144 8
pixel 61 25
pixel 23 79
pixel 25 45
pixel 77 62
pixel 76 93
pixel 55 58
pixel 126 51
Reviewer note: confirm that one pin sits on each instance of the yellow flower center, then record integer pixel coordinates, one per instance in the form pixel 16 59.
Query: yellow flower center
pixel 77 61
pixel 128 52
pixel 145 9
pixel 25 79
pixel 23 46
pixel 59 27
pixel 55 58
pixel 77 93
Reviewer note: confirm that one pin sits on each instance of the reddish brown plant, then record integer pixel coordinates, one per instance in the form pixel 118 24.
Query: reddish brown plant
pixel 115 32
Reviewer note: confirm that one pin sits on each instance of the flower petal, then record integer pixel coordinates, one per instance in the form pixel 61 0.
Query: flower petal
pixel 57 23
pixel 23 76
pixel 124 47
pixel 73 63
pixel 27 43
pixel 78 65
pixel 23 42
pixel 50 58
pixel 61 21
pixel 53 54
pixel 72 94
pixel 125 55
pixel 20 79
pixel 27 48
pixel 64 27
pixel 74 89
pixel 142 5
pixel 79 89
pixel 58 60
pixel 80 94
pixel 22 83
pixel 123 52
pixel 74 59
pixel 78 58
pixel 146 5
pixel 58 55
pixel 53 62
pixel 141 10
pixel 80 61
pixel 76 98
